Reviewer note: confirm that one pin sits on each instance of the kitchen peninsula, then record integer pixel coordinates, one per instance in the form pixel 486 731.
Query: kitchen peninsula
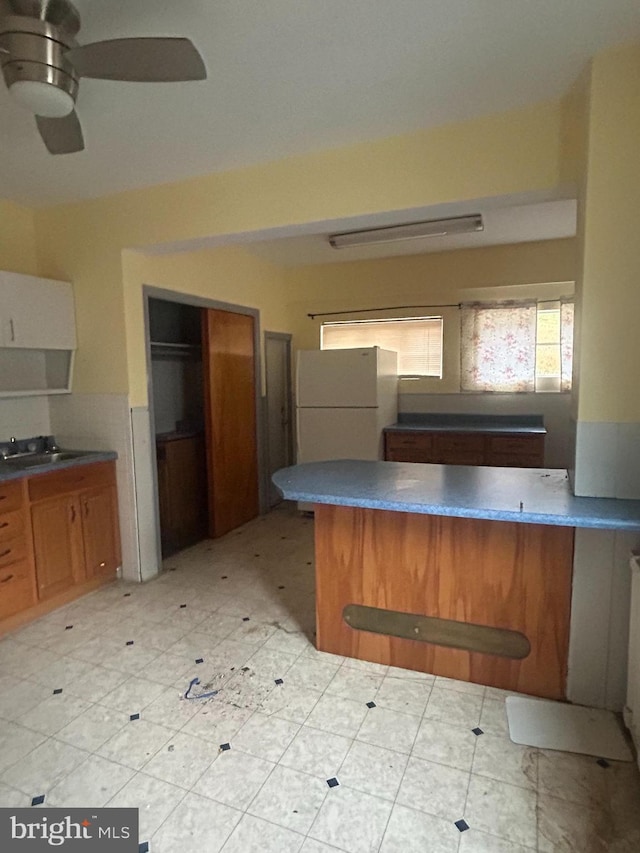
pixel 459 571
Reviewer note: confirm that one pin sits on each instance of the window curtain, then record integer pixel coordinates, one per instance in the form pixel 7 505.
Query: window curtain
pixel 566 345
pixel 498 347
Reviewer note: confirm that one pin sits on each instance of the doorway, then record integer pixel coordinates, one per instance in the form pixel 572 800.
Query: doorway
pixel 279 407
pixel 203 363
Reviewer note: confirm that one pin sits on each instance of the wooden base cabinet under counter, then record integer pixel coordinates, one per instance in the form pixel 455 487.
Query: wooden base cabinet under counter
pixel 64 539
pixel 17 575
pixel 465 448
pixel 75 526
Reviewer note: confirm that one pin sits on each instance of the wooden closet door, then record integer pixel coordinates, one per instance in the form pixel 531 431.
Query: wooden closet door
pixel 229 361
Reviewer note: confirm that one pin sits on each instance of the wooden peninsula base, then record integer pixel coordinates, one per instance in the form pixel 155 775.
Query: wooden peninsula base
pixel 500 574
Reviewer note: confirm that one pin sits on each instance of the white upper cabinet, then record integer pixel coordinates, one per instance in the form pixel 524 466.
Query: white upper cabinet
pixel 37 335
pixel 36 313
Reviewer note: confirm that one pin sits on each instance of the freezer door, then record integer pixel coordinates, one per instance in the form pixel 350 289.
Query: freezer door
pixel 338 377
pixel 338 434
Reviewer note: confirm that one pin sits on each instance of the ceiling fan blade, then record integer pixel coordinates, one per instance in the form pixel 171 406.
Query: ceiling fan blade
pixel 139 60
pixel 61 135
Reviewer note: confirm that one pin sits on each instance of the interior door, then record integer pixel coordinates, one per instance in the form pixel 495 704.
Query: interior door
pixel 229 362
pixel 279 421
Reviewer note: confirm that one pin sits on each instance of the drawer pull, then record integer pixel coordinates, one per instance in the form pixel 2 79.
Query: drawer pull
pixel 5 553
pixel 7 579
pixel 102 564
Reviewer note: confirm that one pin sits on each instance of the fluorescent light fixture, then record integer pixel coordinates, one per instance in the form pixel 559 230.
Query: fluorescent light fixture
pixel 408 231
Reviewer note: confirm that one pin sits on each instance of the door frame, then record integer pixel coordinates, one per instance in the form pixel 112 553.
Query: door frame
pixel 279 336
pixel 151 292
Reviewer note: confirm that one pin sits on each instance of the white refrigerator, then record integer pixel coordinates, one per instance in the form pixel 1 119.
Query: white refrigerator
pixel 344 399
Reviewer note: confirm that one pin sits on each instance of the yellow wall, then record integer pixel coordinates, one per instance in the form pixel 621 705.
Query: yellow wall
pixel 504 154
pixel 428 280
pixel 17 238
pixel 227 274
pixel 609 347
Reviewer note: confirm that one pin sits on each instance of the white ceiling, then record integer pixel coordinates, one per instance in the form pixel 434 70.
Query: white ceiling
pixel 294 76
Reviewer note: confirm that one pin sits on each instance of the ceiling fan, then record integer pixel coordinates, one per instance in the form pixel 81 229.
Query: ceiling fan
pixel 42 64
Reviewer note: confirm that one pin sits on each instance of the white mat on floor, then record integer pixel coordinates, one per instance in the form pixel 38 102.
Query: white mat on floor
pixel 570 728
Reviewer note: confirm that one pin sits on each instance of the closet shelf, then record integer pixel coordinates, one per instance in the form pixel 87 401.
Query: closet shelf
pixel 163 348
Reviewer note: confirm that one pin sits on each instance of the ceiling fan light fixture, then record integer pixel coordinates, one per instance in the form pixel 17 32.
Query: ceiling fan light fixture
pixel 408 231
pixel 42 99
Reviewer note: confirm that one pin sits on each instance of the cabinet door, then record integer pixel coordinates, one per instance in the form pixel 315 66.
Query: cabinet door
pixel 37 313
pixel 57 539
pixel 100 531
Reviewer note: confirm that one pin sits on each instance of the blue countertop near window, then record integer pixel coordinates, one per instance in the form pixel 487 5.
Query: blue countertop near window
pixel 436 422
pixel 530 495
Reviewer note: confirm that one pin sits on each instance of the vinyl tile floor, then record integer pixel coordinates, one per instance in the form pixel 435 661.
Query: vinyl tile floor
pixel 296 751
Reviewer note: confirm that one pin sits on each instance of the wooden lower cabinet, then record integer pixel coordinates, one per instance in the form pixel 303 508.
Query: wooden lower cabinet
pixel 100 532
pixel 59 539
pixel 57 542
pixel 17 576
pixel 470 448
pixel 182 491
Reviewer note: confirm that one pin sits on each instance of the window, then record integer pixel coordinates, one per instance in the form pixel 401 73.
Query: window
pixel 516 347
pixel 417 340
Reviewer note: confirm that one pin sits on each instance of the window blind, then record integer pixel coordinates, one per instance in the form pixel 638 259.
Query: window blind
pixel 417 340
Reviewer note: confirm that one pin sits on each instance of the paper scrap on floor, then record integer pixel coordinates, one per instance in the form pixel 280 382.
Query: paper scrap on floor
pixel 569 728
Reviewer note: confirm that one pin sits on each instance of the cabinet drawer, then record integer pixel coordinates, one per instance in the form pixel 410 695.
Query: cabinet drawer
pixel 420 440
pixel 461 457
pixel 409 447
pixel 16 589
pixel 12 524
pixel 526 444
pixel 10 495
pixel 515 460
pixel 13 550
pixel 457 442
pixel 71 480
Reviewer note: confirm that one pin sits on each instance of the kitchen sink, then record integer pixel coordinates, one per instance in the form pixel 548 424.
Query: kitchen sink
pixel 34 460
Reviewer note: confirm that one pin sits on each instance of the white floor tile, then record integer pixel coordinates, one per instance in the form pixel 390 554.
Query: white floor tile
pixel 253 835
pixel 234 778
pixel 312 673
pixel 454 707
pixel 503 810
pixel 445 744
pixel 402 694
pixel 154 799
pixel 434 788
pixel 290 799
pixel 16 742
pixel 18 698
pixel 338 715
pixel 411 831
pixel 373 770
pixel 351 684
pixel 54 713
pixel 501 759
pixel 93 727
pixel 90 784
pixel 351 820
pixel 181 761
pixel 389 729
pixel 10 798
pixel 290 702
pixel 196 823
pixel 43 767
pixel 316 752
pixel 133 695
pixel 135 743
pixel 265 737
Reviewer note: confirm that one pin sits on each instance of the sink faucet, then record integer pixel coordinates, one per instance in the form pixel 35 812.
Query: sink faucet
pixel 11 449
